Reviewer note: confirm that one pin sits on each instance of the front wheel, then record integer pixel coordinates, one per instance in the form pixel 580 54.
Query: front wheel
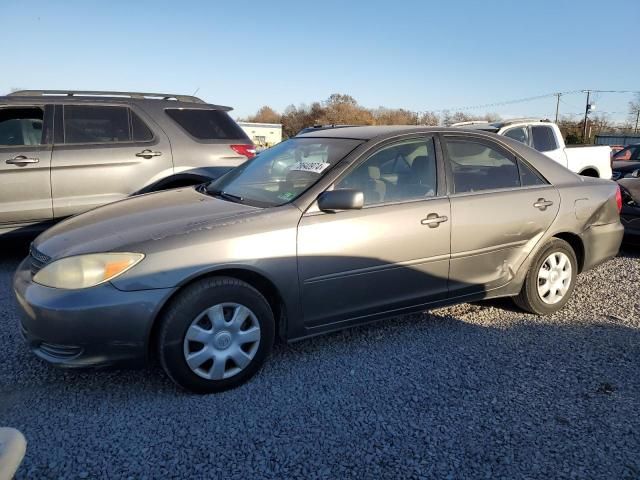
pixel 551 279
pixel 215 335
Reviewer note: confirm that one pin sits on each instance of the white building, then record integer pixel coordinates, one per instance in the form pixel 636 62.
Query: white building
pixel 263 134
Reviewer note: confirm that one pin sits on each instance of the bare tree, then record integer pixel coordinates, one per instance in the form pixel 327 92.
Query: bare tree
pixel 265 114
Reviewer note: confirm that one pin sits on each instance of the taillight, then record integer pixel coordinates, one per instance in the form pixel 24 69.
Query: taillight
pixel 619 198
pixel 248 151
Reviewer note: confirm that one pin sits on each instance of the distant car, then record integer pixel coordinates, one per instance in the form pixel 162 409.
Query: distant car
pixel 628 153
pixel 317 128
pixel 359 223
pixel 625 168
pixel 630 214
pixel 545 137
pixel 615 149
pixel 66 152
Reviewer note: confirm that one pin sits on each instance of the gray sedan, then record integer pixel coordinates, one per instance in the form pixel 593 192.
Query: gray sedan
pixel 327 230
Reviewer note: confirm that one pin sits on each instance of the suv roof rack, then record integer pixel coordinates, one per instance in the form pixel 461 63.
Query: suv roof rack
pixel 96 93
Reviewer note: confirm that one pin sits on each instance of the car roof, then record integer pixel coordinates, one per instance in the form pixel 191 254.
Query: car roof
pixel 85 96
pixel 371 132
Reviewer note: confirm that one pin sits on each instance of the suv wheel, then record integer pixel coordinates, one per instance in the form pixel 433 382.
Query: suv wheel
pixel 215 335
pixel 551 279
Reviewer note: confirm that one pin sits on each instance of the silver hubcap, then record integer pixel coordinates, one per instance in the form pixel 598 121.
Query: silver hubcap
pixel 222 341
pixel 554 278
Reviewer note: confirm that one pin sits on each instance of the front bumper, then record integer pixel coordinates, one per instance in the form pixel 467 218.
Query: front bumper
pixel 601 243
pixel 90 327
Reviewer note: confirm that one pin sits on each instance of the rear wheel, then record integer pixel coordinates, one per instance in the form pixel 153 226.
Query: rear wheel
pixel 215 335
pixel 551 279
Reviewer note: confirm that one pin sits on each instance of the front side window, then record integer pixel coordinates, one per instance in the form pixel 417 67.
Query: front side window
pixel 519 133
pixel 96 124
pixel 396 173
pixel 477 166
pixel 544 139
pixel 282 173
pixel 21 126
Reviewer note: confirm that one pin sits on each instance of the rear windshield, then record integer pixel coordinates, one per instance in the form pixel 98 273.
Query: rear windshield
pixel 207 124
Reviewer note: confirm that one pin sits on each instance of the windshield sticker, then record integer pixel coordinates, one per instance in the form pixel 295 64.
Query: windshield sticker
pixel 286 196
pixel 315 167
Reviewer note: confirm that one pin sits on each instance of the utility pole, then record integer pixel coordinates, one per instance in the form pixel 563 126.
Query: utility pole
pixel 635 130
pixel 587 108
pixel 557 105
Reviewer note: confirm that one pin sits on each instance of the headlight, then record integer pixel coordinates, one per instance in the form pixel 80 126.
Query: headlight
pixel 83 271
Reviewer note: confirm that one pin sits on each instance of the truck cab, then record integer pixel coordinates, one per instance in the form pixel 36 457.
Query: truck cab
pixel 545 136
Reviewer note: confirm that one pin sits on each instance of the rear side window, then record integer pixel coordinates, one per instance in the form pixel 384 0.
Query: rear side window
pixel 96 124
pixel 140 131
pixel 543 138
pixel 21 126
pixel 528 176
pixel 207 124
pixel 477 166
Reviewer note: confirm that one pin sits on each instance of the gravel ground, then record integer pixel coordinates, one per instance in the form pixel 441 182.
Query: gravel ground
pixel 472 391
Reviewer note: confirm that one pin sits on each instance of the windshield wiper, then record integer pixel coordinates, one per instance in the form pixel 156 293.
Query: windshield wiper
pixel 225 195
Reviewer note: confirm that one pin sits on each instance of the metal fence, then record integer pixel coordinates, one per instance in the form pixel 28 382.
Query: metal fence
pixel 617 139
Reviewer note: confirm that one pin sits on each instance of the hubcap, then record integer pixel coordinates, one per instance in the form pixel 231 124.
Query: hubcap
pixel 222 341
pixel 554 278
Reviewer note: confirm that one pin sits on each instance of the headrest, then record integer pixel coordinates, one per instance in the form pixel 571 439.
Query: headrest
pixel 374 173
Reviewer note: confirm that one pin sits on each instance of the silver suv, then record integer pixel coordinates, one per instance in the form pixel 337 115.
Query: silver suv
pixel 66 152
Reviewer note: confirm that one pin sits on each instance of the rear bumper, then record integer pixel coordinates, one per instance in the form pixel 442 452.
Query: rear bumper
pixel 91 327
pixel 601 243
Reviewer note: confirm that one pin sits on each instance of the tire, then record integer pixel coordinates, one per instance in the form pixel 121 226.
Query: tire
pixel 222 348
pixel 531 298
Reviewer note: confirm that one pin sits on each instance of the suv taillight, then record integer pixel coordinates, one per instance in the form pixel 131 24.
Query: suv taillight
pixel 618 198
pixel 248 151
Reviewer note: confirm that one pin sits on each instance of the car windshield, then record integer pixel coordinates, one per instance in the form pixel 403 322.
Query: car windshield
pixel 282 173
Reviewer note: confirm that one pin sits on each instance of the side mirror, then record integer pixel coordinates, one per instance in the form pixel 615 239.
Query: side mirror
pixel 342 199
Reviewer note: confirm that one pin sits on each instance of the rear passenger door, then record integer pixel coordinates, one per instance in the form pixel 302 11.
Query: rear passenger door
pixel 500 208
pixel 25 157
pixel 104 153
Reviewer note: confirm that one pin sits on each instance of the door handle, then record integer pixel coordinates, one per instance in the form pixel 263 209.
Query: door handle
pixel 148 154
pixel 542 204
pixel 21 160
pixel 433 220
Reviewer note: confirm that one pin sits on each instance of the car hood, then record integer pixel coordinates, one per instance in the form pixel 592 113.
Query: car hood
pixel 130 222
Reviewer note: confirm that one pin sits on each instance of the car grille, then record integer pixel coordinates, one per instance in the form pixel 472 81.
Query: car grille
pixel 38 260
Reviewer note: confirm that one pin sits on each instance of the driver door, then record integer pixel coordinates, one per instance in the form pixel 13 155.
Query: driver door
pixel 387 256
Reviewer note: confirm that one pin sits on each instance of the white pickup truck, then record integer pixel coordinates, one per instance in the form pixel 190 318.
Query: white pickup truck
pixel 544 136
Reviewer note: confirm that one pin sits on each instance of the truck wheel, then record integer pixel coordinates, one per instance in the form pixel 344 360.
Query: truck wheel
pixel 551 279
pixel 216 335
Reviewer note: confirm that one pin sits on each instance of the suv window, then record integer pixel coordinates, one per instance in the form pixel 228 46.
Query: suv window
pixel 96 124
pixel 207 124
pixel 140 131
pixel 544 139
pixel 395 173
pixel 478 166
pixel 21 126
pixel 519 133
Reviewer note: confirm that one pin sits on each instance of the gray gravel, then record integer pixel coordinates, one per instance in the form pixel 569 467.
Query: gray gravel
pixel 473 391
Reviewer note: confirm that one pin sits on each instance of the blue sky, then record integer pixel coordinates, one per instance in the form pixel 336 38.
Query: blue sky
pixel 418 55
